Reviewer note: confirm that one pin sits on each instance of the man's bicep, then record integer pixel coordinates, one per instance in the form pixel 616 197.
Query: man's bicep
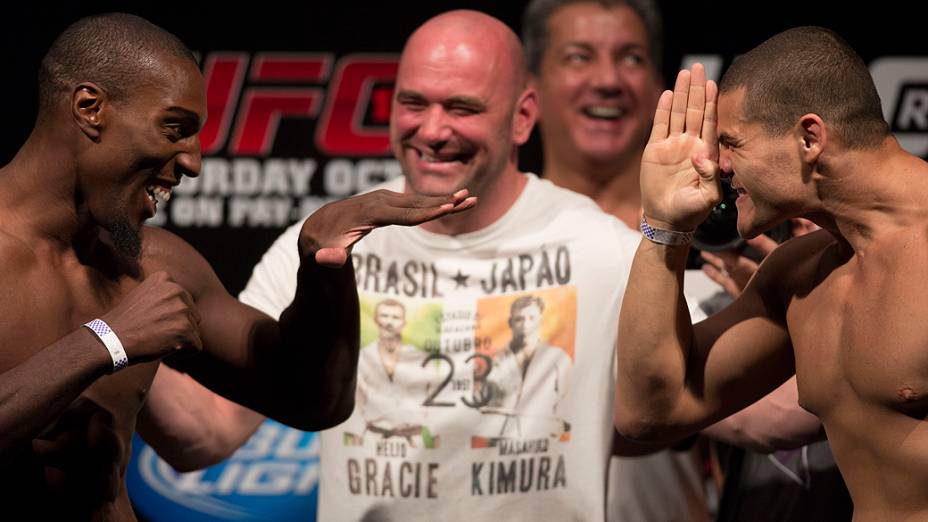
pixel 739 355
pixel 227 327
pixel 232 330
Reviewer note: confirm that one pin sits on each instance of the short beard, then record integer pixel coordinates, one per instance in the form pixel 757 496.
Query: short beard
pixel 126 239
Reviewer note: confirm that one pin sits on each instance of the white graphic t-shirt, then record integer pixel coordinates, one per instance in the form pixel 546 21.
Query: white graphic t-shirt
pixel 487 370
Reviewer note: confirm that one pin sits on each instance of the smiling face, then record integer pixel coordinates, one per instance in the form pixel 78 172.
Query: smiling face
pixel 764 169
pixel 452 123
pixel 597 86
pixel 148 142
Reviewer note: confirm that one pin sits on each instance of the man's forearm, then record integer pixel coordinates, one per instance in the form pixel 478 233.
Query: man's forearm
pixel 655 334
pixel 321 330
pixel 38 390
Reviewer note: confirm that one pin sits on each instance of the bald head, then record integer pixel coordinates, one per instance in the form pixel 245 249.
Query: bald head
pixel 461 106
pixel 470 36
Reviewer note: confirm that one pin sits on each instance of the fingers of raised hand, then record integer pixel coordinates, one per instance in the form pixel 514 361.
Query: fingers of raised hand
pixel 661 125
pixel 696 101
pixel 710 119
pixel 681 90
pixel 716 268
pixel 691 108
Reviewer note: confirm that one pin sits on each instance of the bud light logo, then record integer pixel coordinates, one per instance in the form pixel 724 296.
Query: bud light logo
pixel 273 477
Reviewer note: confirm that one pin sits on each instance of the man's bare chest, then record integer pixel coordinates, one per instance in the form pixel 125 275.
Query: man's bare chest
pixel 48 302
pixel 862 335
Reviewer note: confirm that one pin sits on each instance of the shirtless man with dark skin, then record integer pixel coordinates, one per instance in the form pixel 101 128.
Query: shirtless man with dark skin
pixel 121 103
pixel 798 128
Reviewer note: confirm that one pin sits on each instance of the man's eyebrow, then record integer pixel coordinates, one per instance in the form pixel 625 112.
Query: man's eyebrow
pixel 469 101
pixel 726 138
pixel 407 94
pixel 586 46
pixel 186 114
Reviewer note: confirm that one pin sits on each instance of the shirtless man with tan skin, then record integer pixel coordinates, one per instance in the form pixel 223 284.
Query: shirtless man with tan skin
pixel 801 134
pixel 121 103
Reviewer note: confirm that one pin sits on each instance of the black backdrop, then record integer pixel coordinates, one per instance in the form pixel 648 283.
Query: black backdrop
pixel 253 191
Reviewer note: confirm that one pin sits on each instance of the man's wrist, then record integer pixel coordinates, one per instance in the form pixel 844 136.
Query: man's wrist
pixel 661 233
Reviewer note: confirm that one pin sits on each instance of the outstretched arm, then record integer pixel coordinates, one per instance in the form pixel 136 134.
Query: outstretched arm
pixel 300 370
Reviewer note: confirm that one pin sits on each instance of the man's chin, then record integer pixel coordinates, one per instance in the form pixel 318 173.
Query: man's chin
pixel 434 185
pixel 604 154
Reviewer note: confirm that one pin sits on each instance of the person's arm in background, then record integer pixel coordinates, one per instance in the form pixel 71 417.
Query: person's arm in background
pixel 189 426
pixel 776 422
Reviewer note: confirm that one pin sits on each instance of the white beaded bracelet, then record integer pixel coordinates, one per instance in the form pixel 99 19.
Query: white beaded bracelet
pixel 112 343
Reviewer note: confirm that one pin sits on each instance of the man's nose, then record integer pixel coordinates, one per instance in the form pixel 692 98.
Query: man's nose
pixel 435 127
pixel 188 162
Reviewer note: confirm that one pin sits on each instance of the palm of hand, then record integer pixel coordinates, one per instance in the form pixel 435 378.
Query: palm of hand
pixel 667 168
pixel 679 169
pixel 331 231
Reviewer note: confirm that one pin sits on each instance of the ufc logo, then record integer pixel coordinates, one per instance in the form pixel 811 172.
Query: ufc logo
pixel 350 99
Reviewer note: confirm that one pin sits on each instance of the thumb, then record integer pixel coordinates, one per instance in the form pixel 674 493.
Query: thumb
pixel 708 171
pixel 333 257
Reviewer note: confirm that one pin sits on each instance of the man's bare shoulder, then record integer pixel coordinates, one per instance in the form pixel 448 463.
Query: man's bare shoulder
pixel 165 251
pixel 17 255
pixel 805 246
pixel 793 265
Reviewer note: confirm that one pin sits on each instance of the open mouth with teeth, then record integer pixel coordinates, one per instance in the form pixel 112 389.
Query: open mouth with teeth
pixel 461 157
pixel 600 112
pixel 158 194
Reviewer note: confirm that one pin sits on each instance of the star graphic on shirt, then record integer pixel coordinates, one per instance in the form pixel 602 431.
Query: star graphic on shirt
pixel 460 279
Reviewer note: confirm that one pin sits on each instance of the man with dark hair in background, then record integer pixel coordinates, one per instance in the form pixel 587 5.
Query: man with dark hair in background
pixel 94 301
pixel 596 65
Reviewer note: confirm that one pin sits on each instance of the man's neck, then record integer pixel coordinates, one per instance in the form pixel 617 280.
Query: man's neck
pixel 872 194
pixel 526 351
pixel 39 200
pixel 390 346
pixel 613 186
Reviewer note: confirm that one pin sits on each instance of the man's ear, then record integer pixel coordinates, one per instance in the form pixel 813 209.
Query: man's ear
pixel 87 103
pixel 525 115
pixel 813 136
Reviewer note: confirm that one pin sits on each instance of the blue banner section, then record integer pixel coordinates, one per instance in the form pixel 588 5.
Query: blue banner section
pixel 275 476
